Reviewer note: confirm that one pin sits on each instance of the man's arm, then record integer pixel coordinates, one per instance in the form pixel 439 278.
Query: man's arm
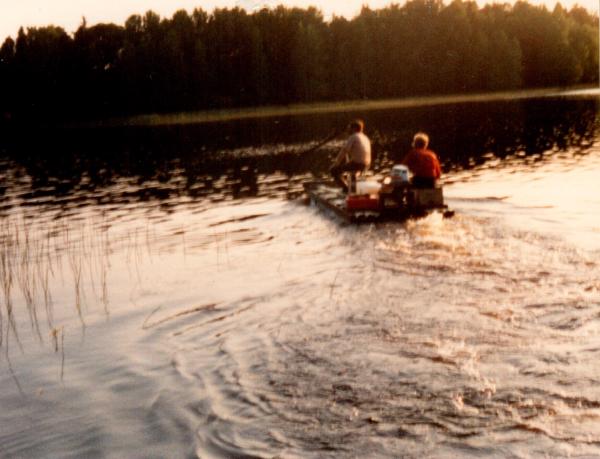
pixel 342 156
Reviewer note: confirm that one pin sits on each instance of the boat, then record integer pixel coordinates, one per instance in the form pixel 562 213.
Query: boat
pixel 392 198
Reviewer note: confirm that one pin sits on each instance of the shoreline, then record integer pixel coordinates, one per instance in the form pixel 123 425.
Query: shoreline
pixel 212 116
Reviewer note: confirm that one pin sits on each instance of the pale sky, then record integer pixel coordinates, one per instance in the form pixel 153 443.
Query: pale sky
pixel 68 13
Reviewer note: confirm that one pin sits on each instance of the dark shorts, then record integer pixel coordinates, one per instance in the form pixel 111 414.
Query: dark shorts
pixel 338 171
pixel 348 167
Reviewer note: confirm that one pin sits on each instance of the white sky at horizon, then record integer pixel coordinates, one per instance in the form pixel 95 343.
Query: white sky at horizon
pixel 69 13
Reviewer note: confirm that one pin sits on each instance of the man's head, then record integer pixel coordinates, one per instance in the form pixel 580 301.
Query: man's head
pixel 356 126
pixel 420 140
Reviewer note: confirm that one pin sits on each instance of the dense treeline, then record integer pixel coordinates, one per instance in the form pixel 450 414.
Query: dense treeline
pixel 231 58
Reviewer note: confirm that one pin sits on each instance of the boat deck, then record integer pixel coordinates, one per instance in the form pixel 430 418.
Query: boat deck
pixel 326 195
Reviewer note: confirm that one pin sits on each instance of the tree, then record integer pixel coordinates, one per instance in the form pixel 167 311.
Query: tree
pixel 7 77
pixel 232 58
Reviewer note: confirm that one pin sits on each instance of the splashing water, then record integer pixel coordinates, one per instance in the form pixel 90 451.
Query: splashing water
pixel 260 327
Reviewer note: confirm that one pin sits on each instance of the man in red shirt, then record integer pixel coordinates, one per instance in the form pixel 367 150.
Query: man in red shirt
pixel 423 163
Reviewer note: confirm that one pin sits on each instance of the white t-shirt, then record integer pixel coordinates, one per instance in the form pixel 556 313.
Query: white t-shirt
pixel 358 149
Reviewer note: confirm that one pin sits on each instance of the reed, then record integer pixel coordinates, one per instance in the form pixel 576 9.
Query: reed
pixel 41 255
pixel 44 270
pixel 138 256
pixel 31 257
pixel 104 267
pixel 26 280
pixel 55 333
pixel 333 284
pixel 75 263
pixel 6 279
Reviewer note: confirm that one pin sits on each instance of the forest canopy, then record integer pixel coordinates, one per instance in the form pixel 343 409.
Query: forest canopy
pixel 232 58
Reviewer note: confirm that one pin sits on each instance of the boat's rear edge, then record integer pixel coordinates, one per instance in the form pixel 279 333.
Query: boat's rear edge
pixel 328 202
pixel 324 195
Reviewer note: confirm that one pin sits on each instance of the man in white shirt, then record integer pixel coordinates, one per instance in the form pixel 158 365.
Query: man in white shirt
pixel 355 155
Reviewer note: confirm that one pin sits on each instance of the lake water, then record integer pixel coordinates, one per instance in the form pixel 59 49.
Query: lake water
pixel 167 291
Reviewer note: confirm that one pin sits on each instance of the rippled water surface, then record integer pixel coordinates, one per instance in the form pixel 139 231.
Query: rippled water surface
pixel 167 292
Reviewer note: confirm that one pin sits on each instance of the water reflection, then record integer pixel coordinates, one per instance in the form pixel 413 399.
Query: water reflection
pixel 254 327
pixel 73 168
pixel 66 171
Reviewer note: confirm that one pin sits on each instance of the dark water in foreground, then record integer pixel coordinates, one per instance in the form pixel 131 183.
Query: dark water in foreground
pixel 166 292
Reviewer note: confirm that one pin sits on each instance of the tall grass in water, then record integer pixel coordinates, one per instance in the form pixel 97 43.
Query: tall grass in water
pixel 54 271
pixel 7 258
pixel 32 262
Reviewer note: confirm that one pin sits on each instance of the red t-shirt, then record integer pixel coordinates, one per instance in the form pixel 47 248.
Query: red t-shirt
pixel 423 163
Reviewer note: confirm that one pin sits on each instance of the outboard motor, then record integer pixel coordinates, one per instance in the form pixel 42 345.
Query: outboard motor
pixel 400 174
pixel 396 187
